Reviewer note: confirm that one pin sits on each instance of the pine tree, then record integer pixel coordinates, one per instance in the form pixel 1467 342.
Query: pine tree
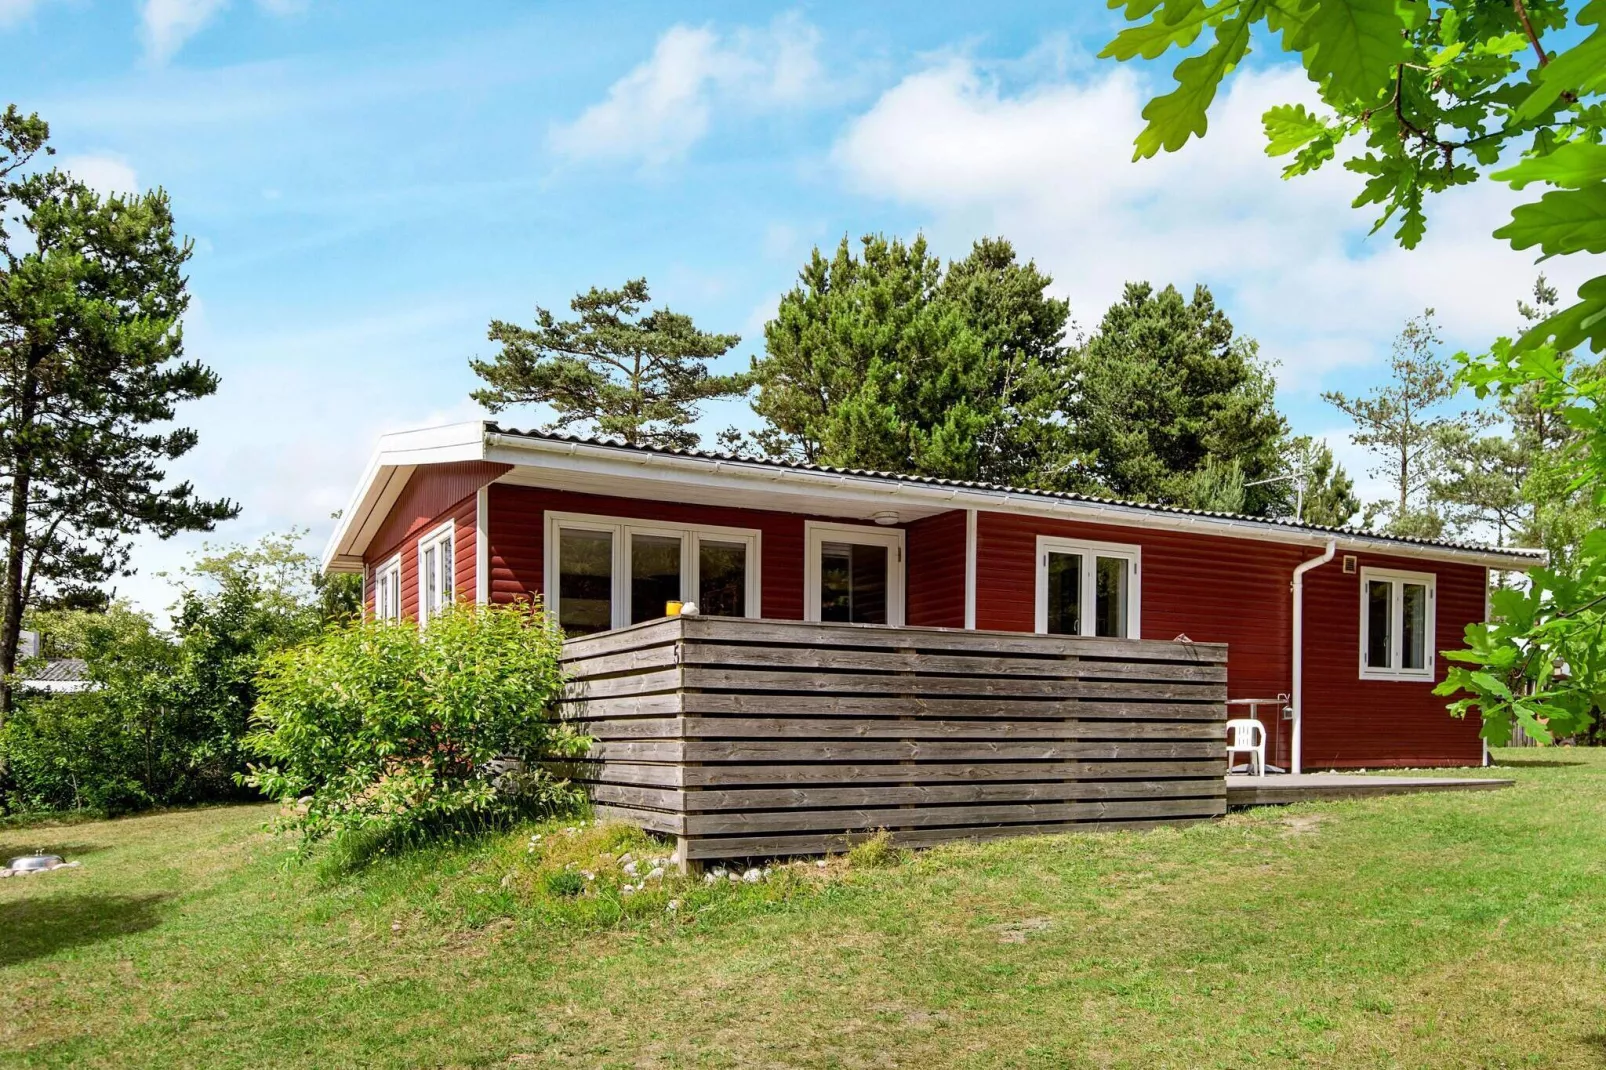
pixel 1163 392
pixel 1401 424
pixel 91 369
pixel 889 360
pixel 640 377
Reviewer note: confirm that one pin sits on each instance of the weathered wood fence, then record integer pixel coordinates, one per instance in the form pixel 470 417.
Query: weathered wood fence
pixel 764 737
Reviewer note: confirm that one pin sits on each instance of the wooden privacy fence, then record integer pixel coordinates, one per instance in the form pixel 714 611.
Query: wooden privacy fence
pixel 765 737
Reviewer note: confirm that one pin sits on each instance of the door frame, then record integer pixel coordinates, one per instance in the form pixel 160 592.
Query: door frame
pixel 818 532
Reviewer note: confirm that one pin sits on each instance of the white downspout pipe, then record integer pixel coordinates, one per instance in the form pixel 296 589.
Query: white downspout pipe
pixel 1297 694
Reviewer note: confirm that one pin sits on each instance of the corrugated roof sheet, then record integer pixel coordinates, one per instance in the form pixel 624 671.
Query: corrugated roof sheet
pixel 1071 496
pixel 61 671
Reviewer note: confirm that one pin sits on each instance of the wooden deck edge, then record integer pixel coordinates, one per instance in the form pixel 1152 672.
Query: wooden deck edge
pixel 1273 795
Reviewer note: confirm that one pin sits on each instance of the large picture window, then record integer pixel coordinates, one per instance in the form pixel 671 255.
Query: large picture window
pixel 1087 588
pixel 607 572
pixel 437 569
pixel 1397 623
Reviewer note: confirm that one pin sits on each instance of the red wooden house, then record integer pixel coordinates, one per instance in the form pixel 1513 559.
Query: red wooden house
pixel 608 534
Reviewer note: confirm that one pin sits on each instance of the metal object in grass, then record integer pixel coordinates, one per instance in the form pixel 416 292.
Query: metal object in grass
pixel 25 864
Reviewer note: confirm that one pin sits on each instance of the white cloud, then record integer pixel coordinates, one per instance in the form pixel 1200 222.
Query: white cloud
pixel 103 173
pixel 663 107
pixel 1051 168
pixel 13 12
pixel 167 24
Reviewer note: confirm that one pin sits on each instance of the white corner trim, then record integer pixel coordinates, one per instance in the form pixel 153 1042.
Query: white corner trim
pixel 482 546
pixel 970 569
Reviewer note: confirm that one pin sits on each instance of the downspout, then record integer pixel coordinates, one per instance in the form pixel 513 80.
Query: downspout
pixel 1296 758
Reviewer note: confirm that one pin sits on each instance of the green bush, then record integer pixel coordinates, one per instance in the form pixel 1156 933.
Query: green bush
pixel 70 752
pixel 400 732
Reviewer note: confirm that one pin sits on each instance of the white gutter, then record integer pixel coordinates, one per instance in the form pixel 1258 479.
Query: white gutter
pixel 1297 694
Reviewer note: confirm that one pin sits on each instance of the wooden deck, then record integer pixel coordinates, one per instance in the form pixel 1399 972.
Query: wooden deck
pixel 1278 788
pixel 760 737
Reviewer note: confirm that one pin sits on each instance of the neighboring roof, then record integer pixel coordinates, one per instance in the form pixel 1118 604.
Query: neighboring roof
pixel 58 674
pixel 62 670
pixel 486 440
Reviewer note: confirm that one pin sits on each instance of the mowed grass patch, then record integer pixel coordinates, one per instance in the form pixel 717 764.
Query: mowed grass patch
pixel 1428 930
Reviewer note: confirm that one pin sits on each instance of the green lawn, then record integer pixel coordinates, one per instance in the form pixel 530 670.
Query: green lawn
pixel 1428 930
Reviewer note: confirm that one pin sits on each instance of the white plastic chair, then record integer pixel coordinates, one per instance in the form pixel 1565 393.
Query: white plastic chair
pixel 1246 735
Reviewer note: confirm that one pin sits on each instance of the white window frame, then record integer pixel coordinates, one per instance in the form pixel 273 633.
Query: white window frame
pixel 817 533
pixel 445 563
pixel 387 577
pixel 622 529
pixel 1131 553
pixel 1398 579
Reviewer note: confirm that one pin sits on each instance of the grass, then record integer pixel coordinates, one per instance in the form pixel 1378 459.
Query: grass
pixel 1428 930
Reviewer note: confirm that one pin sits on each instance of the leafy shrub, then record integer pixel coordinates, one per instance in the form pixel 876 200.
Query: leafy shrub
pixel 70 752
pixel 399 732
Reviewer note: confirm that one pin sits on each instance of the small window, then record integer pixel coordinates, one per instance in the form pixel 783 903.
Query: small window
pixel 387 590
pixel 1087 589
pixel 436 571
pixel 1397 622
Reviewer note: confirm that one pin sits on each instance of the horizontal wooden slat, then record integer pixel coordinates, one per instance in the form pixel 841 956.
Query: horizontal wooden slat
pixel 610 686
pixel 757 822
pixel 935 794
pixel 796 751
pixel 941 772
pixel 946 639
pixel 700 677
pixel 651 820
pixel 833 658
pixel 764 704
pixel 811 728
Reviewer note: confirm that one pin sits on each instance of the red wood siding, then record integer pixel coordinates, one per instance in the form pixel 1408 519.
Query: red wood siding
pixel 1237 591
pixel 518 532
pixel 432 496
pixel 935 578
pixel 1355 723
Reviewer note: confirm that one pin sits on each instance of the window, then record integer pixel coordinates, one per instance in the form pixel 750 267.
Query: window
pixel 1087 588
pixel 387 590
pixel 1397 621
pixel 605 572
pixel 853 574
pixel 436 571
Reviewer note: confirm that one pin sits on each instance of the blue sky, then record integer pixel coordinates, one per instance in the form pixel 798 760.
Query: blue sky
pixel 369 184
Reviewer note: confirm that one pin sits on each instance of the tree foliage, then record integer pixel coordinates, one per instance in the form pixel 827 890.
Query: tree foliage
pixel 1165 403
pixel 170 708
pixel 91 373
pixel 639 376
pixel 1403 424
pixel 886 360
pixel 1437 92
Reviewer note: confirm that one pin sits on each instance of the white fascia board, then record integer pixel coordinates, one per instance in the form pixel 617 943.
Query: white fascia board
pixel 394 460
pixel 770 481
